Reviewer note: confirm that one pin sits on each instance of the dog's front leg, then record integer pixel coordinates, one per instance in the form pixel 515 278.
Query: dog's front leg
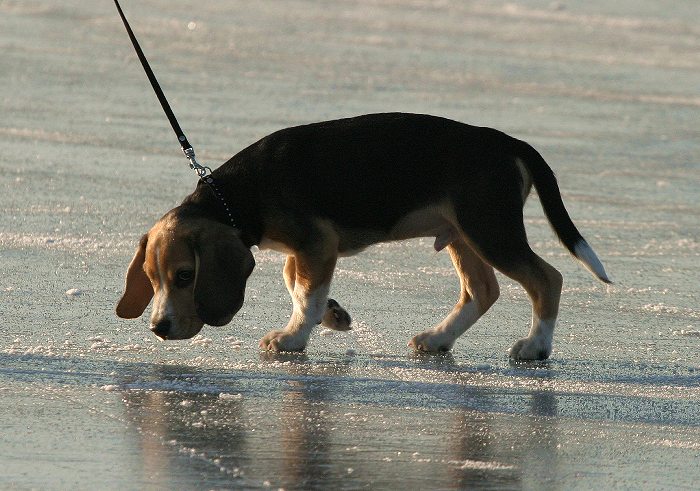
pixel 309 289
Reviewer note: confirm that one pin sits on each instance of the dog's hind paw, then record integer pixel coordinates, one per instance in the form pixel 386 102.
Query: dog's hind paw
pixel 280 341
pixel 530 349
pixel 432 342
pixel 336 317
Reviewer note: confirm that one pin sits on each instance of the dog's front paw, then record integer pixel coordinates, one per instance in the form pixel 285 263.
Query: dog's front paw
pixel 534 348
pixel 279 341
pixel 432 342
pixel 336 317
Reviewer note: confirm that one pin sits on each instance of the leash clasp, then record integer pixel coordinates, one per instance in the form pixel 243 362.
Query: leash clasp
pixel 201 170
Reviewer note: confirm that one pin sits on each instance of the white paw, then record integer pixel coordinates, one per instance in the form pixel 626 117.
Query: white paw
pixel 336 317
pixel 279 341
pixel 534 348
pixel 432 342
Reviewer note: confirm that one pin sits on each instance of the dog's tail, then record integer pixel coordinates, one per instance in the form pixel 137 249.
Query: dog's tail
pixel 548 190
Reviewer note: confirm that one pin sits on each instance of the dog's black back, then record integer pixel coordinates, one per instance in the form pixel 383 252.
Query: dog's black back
pixel 348 169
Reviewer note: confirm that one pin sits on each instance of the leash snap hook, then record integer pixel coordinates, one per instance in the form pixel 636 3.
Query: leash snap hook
pixel 201 170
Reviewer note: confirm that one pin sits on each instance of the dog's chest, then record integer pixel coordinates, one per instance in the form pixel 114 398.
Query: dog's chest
pixel 274 245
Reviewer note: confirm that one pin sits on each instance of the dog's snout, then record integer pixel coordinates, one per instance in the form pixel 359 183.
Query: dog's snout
pixel 162 328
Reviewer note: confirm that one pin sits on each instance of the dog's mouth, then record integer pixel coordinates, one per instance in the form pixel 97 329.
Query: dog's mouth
pixel 184 329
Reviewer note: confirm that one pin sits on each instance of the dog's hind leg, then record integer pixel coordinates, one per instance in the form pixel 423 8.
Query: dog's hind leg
pixel 498 235
pixel 479 290
pixel 543 284
pixel 335 317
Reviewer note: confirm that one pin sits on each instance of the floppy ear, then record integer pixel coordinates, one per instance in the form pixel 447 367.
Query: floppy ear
pixel 138 290
pixel 224 264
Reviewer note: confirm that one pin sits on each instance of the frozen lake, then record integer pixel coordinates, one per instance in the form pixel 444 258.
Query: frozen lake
pixel 608 92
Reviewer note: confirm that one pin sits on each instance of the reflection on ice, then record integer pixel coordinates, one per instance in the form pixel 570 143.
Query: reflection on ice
pixel 297 423
pixel 294 421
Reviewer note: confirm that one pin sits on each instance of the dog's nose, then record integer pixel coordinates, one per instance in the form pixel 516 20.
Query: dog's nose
pixel 162 328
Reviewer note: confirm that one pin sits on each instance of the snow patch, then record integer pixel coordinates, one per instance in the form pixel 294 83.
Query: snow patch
pixel 686 332
pixel 200 340
pixel 480 465
pixel 230 397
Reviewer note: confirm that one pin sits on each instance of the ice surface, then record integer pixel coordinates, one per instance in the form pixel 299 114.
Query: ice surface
pixel 607 91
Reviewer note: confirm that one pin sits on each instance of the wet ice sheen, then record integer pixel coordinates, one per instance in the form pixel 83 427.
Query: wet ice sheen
pixel 607 91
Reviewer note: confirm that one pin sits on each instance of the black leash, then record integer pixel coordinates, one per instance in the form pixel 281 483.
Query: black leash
pixel 203 172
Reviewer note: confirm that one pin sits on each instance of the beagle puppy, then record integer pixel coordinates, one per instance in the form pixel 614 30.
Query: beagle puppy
pixel 325 190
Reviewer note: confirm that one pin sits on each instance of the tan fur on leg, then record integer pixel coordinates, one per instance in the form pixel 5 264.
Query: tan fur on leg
pixel 543 284
pixel 313 271
pixel 479 290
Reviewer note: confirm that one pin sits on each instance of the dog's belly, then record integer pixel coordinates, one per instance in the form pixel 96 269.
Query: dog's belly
pixel 430 221
pixel 426 222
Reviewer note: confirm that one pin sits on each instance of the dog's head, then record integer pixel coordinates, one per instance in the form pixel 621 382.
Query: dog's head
pixel 195 269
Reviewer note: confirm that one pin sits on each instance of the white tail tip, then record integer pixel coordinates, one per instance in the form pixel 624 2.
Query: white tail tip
pixel 587 256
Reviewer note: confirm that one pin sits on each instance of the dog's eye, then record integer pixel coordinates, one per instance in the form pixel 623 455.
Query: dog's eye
pixel 183 278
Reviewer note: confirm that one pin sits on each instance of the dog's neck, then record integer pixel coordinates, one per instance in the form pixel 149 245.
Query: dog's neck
pixel 242 205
